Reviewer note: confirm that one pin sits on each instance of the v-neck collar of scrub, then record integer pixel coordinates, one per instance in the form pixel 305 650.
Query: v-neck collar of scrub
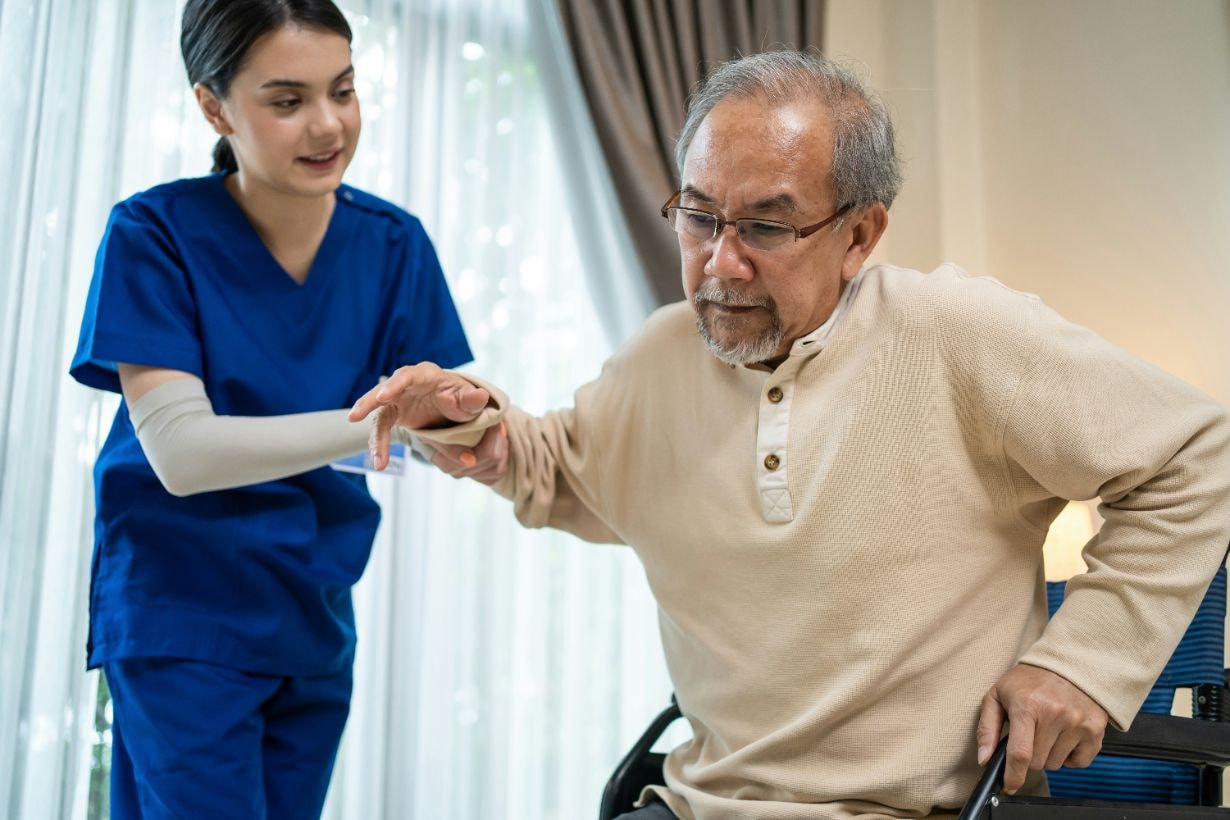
pixel 269 272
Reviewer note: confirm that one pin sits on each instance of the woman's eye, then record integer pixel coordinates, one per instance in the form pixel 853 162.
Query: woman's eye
pixel 285 104
pixel 344 93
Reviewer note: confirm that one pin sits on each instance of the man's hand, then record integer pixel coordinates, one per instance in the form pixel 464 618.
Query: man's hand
pixel 418 397
pixel 1051 723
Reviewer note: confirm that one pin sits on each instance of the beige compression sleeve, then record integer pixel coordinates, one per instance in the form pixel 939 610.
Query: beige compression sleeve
pixel 193 450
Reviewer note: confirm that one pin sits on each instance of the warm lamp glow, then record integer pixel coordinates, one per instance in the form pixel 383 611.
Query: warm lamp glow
pixel 1067 537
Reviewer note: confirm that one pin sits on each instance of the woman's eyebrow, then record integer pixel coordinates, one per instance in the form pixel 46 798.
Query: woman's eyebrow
pixel 300 83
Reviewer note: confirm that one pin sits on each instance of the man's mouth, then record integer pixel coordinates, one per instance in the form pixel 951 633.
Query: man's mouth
pixel 731 304
pixel 730 301
pixel 721 307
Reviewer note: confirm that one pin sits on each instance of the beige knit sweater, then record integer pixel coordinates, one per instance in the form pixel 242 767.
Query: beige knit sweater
pixel 844 568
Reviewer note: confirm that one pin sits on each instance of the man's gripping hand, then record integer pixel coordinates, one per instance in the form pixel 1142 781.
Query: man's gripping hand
pixel 1051 723
pixel 418 397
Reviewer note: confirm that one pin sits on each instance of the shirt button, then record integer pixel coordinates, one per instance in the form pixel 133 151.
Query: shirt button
pixel 772 462
pixel 775 394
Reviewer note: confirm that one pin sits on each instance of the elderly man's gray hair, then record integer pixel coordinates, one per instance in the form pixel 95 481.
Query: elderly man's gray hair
pixel 865 164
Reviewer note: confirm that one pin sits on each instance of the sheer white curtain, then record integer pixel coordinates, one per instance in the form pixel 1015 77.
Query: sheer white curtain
pixel 97 101
pixel 500 673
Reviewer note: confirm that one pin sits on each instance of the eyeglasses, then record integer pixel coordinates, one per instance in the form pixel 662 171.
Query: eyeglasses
pixel 761 234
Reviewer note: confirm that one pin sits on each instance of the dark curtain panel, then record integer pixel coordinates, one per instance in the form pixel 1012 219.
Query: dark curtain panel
pixel 638 60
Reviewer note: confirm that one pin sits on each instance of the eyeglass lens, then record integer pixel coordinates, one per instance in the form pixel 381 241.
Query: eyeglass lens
pixel 755 233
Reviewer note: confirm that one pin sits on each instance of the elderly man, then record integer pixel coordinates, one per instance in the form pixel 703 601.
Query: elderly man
pixel 840 487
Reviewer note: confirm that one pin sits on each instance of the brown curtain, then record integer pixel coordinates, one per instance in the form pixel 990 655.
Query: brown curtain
pixel 637 61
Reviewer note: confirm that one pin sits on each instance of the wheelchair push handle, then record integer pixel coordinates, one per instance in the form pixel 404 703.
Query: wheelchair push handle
pixel 992 777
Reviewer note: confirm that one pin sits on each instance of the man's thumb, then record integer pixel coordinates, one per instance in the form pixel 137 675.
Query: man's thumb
pixel 990 724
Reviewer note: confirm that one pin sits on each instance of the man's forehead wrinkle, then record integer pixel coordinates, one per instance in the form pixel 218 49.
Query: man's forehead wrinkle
pixel 690 190
pixel 750 157
pixel 781 201
pixel 734 190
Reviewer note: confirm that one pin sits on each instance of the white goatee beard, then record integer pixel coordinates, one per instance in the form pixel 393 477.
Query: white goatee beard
pixel 745 351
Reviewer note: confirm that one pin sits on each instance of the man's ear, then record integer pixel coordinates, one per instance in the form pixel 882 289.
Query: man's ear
pixel 866 228
pixel 211 107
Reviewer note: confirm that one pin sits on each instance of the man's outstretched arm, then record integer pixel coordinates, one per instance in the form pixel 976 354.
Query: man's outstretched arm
pixel 546 465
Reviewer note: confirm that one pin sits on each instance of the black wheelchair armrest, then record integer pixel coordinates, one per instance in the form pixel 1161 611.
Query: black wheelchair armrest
pixel 1166 737
pixel 638 768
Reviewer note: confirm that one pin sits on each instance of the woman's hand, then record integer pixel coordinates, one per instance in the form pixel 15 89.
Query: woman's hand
pixel 486 462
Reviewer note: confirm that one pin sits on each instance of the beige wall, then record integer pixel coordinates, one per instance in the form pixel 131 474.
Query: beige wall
pixel 1078 149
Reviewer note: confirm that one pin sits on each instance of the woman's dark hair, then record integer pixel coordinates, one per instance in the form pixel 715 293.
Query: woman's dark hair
pixel 217 34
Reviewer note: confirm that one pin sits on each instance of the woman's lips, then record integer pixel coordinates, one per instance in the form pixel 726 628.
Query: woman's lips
pixel 321 162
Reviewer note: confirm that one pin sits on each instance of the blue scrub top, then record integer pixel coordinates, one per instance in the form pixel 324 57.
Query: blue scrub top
pixel 257 577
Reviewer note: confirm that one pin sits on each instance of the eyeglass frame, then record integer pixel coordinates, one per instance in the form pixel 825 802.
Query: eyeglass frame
pixel 722 222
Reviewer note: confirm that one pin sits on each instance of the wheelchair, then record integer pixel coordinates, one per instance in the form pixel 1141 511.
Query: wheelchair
pixel 1164 768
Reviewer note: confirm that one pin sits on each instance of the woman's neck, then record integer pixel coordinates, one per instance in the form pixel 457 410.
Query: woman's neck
pixel 292 227
pixel 280 218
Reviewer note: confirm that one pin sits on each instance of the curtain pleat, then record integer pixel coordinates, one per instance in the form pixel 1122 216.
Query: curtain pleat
pixel 46 428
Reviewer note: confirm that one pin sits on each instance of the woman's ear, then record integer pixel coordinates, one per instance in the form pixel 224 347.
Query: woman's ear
pixel 211 107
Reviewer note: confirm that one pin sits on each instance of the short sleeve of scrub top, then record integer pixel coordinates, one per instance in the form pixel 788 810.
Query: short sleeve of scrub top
pixel 140 308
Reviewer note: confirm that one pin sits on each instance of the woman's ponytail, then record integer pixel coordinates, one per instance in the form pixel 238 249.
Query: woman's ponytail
pixel 224 156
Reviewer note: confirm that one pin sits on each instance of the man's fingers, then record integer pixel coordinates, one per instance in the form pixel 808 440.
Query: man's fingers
pixel 365 405
pixel 1046 734
pixel 388 390
pixel 990 725
pixel 1061 750
pixel 1086 750
pixel 1020 740
pixel 1020 751
pixel 416 381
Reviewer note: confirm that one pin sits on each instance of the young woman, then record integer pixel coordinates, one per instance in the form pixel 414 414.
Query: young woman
pixel 241 314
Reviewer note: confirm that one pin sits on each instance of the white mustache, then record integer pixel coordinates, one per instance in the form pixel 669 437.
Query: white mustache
pixel 733 298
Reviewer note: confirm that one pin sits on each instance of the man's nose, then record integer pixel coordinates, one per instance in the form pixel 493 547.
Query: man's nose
pixel 728 256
